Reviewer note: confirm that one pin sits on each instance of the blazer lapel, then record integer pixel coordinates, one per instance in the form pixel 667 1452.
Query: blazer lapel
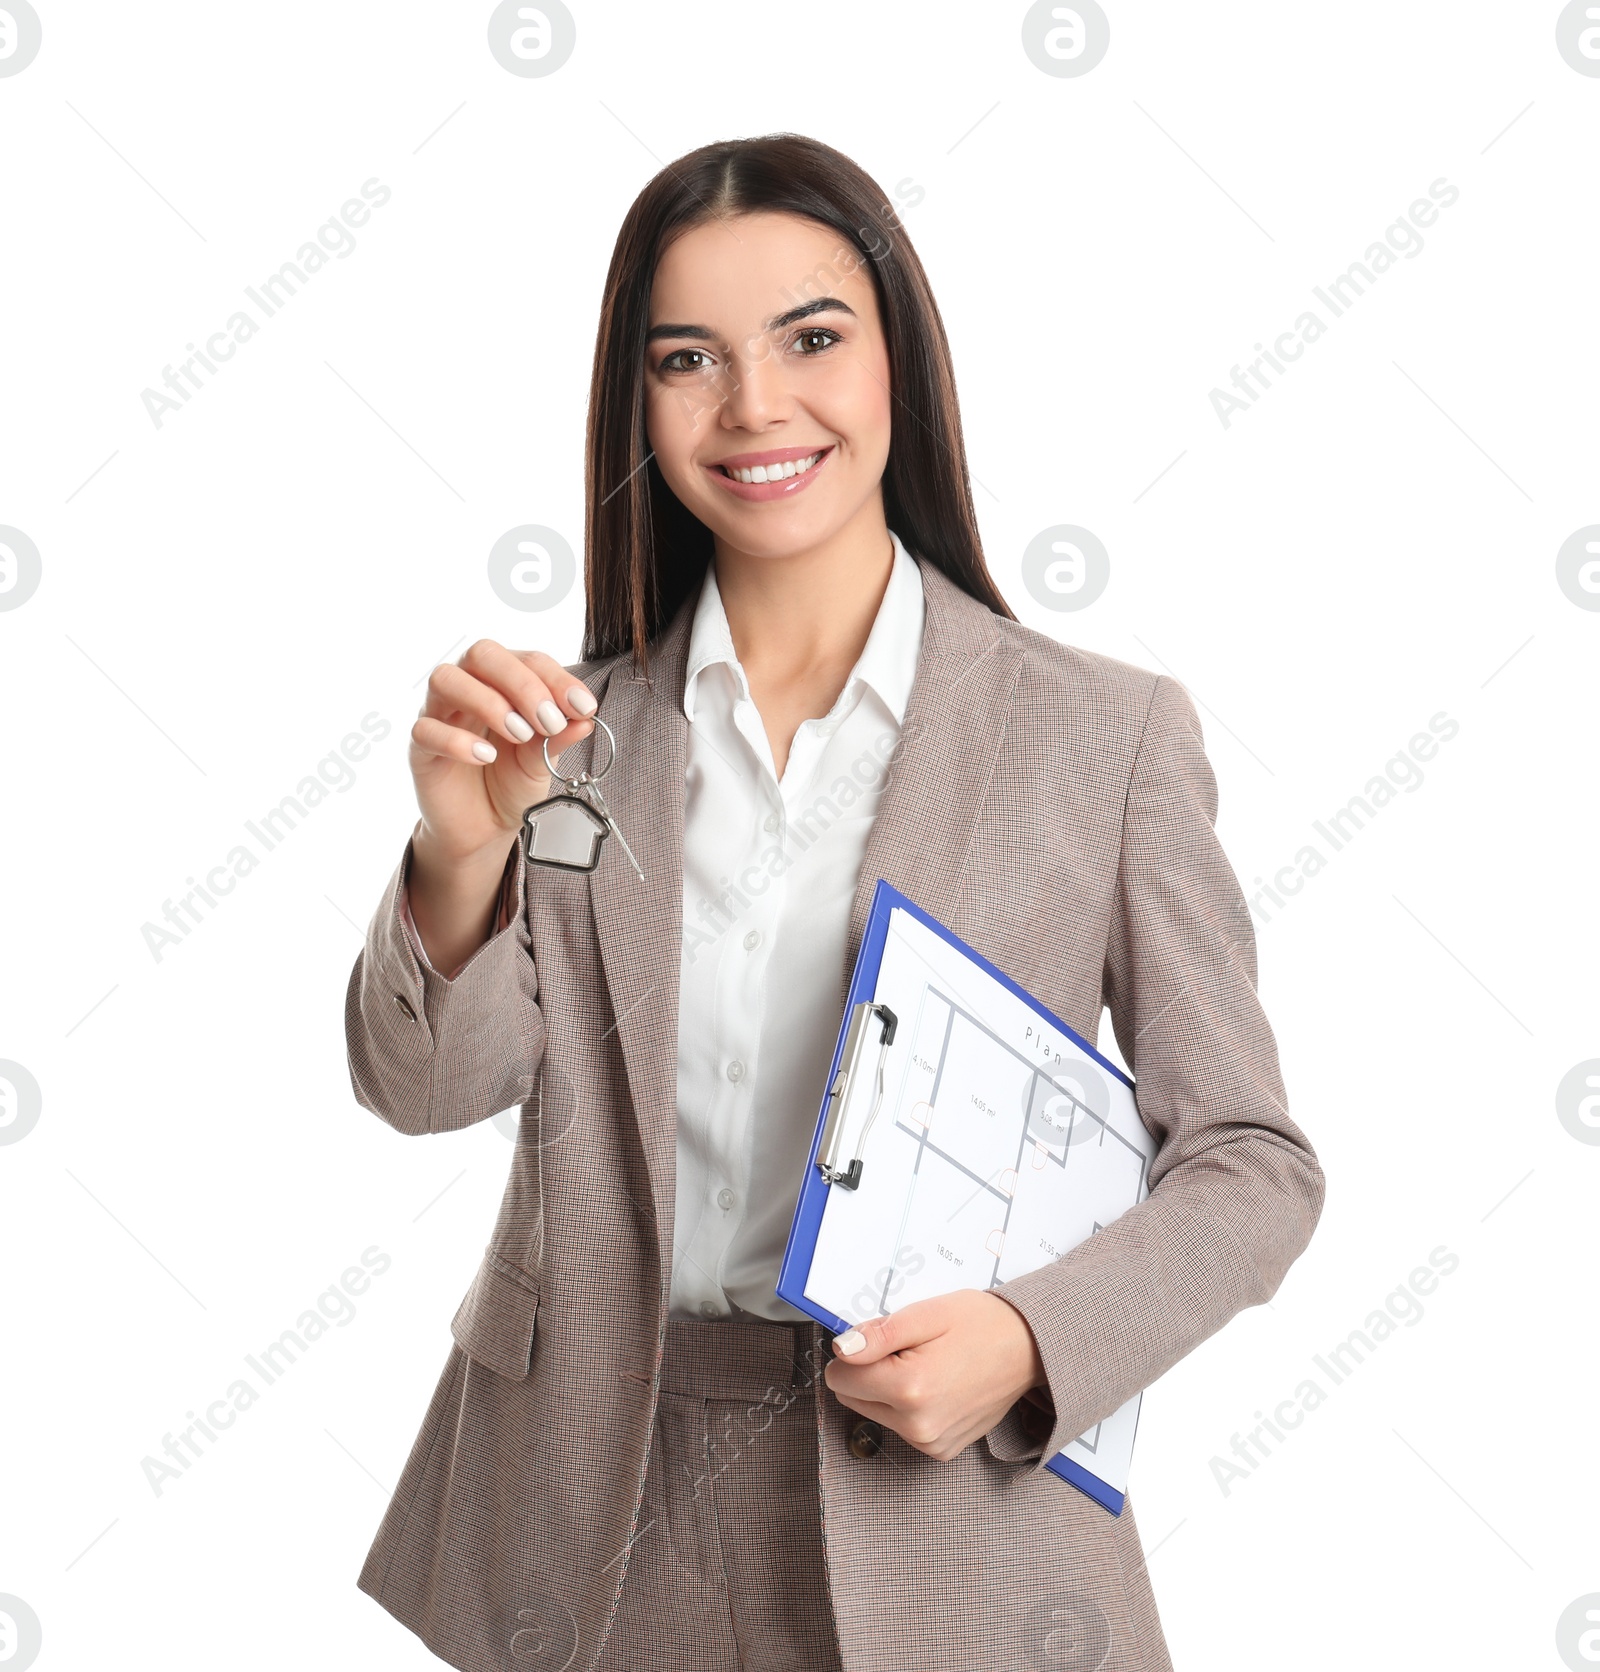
pixel 640 924
pixel 953 726
pixel 952 729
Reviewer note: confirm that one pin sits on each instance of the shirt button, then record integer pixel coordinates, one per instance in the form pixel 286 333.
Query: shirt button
pixel 770 822
pixel 724 1199
pixel 735 1070
pixel 709 1309
pixel 753 939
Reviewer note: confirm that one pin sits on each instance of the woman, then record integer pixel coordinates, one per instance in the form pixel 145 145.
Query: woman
pixel 637 1455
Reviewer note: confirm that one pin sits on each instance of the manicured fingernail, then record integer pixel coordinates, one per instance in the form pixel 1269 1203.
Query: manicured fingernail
pixel 582 699
pixel 484 750
pixel 852 1341
pixel 518 727
pixel 550 717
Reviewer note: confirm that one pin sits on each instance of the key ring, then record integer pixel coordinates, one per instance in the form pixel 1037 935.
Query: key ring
pixel 584 777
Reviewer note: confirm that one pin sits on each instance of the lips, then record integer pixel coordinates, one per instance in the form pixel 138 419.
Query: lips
pixel 774 455
pixel 782 471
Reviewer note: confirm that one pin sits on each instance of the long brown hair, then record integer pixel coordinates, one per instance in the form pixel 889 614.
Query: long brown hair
pixel 644 551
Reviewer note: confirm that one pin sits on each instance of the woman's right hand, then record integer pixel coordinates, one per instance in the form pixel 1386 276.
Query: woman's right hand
pixel 507 701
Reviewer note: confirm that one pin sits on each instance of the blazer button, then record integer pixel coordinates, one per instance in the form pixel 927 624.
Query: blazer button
pixel 866 1438
pixel 405 1006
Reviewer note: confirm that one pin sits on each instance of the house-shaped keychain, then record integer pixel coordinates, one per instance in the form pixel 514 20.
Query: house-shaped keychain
pixel 566 832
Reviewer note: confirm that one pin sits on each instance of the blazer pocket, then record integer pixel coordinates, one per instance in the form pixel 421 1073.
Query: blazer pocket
pixel 495 1322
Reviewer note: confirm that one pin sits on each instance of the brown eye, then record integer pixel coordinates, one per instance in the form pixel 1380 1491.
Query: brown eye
pixel 831 337
pixel 677 354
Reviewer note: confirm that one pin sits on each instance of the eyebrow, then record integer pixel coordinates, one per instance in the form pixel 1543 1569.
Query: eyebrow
pixel 701 333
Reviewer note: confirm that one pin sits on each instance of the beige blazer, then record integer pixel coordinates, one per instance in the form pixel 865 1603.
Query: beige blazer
pixel 1055 808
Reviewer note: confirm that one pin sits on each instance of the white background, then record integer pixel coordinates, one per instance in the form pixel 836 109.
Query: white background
pixel 225 596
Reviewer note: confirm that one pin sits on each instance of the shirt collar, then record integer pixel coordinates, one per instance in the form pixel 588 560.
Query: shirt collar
pixel 888 660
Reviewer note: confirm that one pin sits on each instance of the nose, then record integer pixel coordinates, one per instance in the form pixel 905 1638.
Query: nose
pixel 757 393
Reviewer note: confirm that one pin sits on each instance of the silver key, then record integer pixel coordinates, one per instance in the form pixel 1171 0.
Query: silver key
pixel 593 791
pixel 567 830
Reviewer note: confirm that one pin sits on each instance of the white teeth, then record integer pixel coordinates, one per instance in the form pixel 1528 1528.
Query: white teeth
pixel 774 472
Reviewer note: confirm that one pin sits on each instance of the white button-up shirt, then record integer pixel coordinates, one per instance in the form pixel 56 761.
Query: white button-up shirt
pixel 770 869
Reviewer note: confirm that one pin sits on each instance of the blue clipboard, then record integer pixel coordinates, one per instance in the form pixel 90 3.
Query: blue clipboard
pixel 801 1245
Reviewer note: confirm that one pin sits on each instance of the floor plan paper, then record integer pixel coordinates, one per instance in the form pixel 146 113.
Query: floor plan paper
pixel 999 1145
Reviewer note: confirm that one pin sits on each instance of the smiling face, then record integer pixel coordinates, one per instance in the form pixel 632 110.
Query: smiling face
pixel 766 380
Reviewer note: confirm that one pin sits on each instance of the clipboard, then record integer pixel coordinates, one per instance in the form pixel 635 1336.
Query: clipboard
pixel 966 1134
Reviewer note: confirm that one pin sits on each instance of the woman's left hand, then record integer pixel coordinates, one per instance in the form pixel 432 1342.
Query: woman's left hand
pixel 940 1372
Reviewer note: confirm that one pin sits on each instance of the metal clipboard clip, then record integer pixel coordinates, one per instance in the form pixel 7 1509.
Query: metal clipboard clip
pixel 839 1091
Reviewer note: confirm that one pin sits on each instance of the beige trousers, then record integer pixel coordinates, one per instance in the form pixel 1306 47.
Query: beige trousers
pixel 726 1572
